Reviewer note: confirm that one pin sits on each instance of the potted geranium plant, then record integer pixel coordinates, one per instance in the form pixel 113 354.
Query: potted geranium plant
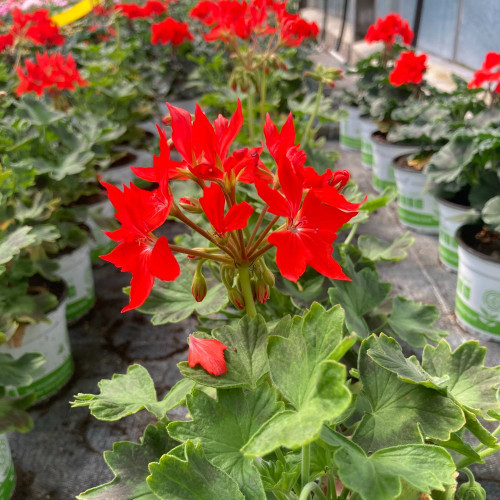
pixel 287 421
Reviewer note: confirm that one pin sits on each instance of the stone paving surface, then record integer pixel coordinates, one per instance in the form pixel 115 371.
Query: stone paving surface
pixel 62 456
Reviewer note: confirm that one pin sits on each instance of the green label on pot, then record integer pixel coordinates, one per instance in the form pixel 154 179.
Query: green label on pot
pixel 447 256
pixel 416 219
pixel 366 157
pixel 76 270
pixel 380 184
pixel 477 305
pixel 7 473
pixel 350 142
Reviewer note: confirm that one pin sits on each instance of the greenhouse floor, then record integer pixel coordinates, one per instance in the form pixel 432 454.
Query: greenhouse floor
pixel 62 456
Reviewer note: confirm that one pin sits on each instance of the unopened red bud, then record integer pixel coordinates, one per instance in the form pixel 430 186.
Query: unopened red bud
pixel 268 276
pixel 199 286
pixel 339 179
pixel 262 292
pixel 191 205
pixel 236 298
pixel 166 120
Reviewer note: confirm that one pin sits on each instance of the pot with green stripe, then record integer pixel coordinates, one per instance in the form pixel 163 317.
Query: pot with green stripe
pixel 449 221
pixel 384 153
pixel 367 127
pixel 75 269
pixel 7 473
pixel 51 340
pixel 417 209
pixel 350 130
pixel 477 305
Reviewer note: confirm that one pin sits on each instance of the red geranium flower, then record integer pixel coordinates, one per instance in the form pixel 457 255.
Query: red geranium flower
pixel 209 353
pixel 488 73
pixel 213 203
pixel 408 68
pixel 53 72
pixel 133 11
pixel 170 31
pixel 140 252
pixel 294 30
pixel 388 28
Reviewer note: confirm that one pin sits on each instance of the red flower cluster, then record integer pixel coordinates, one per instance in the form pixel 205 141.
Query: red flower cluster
pixel 408 68
pixel 313 208
pixel 52 72
pixel 488 73
pixel 36 27
pixel 230 19
pixel 386 29
pixel 152 8
pixel 170 31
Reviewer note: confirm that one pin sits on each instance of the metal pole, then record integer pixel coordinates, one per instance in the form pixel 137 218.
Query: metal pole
pixel 416 23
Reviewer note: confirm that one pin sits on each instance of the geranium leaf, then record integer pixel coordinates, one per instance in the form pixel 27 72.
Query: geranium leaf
pixel 377 250
pixel 193 479
pixel 129 393
pixel 302 370
pixel 360 296
pixel 171 302
pixel 400 412
pixel 470 383
pixel 14 242
pixel 13 413
pixel 455 443
pixel 380 476
pixel 491 213
pixel 129 463
pixel 246 356
pixel 19 372
pixel 413 322
pixel 225 425
pixel 34 110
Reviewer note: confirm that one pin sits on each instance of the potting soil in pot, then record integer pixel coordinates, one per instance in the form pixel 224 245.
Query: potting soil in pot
pixel 7 473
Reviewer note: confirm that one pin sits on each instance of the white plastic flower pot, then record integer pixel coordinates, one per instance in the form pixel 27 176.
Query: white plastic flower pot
pixel 477 305
pixel 383 155
pixel 51 340
pixel 449 212
pixel 75 269
pixel 100 243
pixel 350 130
pixel 367 127
pixel 417 209
pixel 7 472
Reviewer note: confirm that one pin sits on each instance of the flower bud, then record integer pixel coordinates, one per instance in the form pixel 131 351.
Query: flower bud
pixel 470 491
pixel 191 205
pixel 227 275
pixel 339 179
pixel 199 286
pixel 268 276
pixel 262 291
pixel 166 120
pixel 236 298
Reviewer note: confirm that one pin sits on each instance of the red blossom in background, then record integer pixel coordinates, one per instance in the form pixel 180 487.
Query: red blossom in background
pixel 408 68
pixel 388 28
pixel 140 252
pixel 49 72
pixel 152 8
pixel 488 73
pixel 209 353
pixel 170 31
pixel 294 30
pixel 36 27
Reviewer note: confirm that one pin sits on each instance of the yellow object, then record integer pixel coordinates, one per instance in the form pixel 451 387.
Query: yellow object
pixel 76 12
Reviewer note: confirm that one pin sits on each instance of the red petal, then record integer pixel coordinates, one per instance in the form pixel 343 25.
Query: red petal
pixel 209 353
pixel 231 132
pixel 237 216
pixel 204 134
pixel 162 262
pixel 181 132
pixel 278 205
pixel 140 286
pixel 291 254
pixel 213 203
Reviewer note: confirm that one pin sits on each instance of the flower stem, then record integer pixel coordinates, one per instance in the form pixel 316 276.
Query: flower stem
pixel 250 116
pixel 307 131
pixel 305 465
pixel 465 462
pixel 263 235
pixel 263 90
pixel 246 290
pixel 260 252
pixel 350 236
pixel 197 253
